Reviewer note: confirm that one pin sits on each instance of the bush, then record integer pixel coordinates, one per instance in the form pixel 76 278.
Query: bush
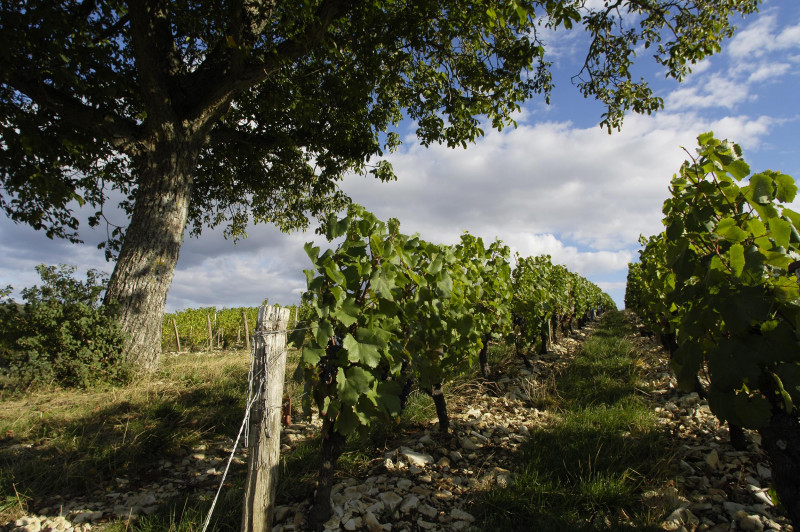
pixel 61 334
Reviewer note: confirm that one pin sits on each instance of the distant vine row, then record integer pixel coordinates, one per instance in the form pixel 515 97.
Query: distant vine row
pixel 387 310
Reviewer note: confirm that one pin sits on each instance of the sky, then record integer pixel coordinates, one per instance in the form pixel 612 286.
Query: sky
pixel 557 184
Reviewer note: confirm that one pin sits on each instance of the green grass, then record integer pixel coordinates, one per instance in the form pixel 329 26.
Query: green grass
pixel 76 442
pixel 603 449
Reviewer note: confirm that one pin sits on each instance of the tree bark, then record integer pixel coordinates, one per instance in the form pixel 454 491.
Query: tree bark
pixel 781 439
pixel 483 357
pixel 545 336
pixel 331 449
pixel 146 262
pixel 441 407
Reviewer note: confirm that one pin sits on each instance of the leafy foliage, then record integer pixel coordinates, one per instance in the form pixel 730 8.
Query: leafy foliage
pixel 387 307
pixel 544 292
pixel 718 278
pixel 61 334
pixel 272 91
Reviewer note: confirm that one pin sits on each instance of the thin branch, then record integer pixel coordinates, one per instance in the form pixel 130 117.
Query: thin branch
pixel 121 133
pixel 212 96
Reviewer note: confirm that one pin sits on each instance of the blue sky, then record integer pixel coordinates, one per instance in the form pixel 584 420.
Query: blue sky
pixel 557 184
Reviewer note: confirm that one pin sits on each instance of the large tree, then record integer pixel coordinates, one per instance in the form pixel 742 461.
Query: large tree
pixel 208 112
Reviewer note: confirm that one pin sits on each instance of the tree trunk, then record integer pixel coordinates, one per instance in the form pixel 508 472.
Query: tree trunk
pixel 146 262
pixel 781 440
pixel 483 357
pixel 554 329
pixel 331 449
pixel 441 407
pixel 545 336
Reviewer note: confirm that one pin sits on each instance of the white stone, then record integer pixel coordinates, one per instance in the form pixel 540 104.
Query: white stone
pixel 87 516
pixel 371 522
pixel 751 523
pixel 732 508
pixel 353 523
pixel 460 515
pixel 425 525
pixel 468 444
pixel 409 503
pixel 712 459
pixel 390 499
pixel 415 458
pixel 332 523
pixel 428 511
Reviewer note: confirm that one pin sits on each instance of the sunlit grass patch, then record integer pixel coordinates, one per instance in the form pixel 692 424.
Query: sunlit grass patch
pixel 587 468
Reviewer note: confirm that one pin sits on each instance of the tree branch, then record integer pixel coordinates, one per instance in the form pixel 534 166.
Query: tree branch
pixel 155 60
pixel 217 89
pixel 121 133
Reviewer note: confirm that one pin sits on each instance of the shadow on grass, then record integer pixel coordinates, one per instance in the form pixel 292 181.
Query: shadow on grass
pixel 78 455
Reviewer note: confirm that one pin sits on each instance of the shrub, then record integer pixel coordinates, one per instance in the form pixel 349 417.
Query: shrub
pixel 61 334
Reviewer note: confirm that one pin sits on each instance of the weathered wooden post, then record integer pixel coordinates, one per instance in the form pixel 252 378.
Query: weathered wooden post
pixel 210 337
pixel 269 367
pixel 177 338
pixel 246 331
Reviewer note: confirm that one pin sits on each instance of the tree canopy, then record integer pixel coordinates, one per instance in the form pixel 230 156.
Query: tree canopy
pixel 224 112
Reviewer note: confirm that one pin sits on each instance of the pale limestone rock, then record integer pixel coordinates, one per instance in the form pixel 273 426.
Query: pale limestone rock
pixel 390 499
pixel 460 515
pixel 410 503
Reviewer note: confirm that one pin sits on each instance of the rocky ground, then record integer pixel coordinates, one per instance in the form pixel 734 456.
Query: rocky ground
pixel 424 481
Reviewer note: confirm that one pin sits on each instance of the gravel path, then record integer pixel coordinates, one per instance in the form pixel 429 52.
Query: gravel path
pixel 425 479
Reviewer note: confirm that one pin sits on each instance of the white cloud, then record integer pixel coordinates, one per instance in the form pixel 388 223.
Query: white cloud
pixel 762 37
pixel 769 71
pixel 718 91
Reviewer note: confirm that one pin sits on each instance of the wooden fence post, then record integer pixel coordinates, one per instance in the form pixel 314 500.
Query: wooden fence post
pixel 265 418
pixel 246 331
pixel 210 337
pixel 177 338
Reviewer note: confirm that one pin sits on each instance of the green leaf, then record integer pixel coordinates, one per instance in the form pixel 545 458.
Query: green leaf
pixel 348 313
pixel 788 405
pixel 686 362
pixel 388 397
pixel 312 355
pixel 382 284
pixel 738 169
pixel 352 383
pixel 445 285
pixel 347 421
pixel 736 256
pixel 705 138
pixel 753 412
pixel 337 228
pixel 787 189
pixel 435 266
pixel 756 227
pixel 781 231
pixel 789 375
pixel 761 188
pixel 312 251
pixel 367 354
pixel 323 332
pixel 334 274
pixel 793 216
pixel 729 230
